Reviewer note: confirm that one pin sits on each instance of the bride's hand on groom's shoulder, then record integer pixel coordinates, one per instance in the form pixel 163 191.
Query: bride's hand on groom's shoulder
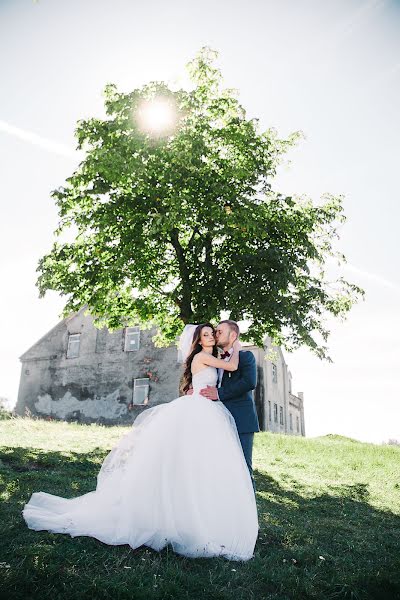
pixel 189 392
pixel 237 345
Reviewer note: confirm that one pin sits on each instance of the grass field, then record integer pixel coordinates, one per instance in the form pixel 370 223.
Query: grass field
pixel 329 512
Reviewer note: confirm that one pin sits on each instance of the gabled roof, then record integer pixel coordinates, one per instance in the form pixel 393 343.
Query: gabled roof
pixel 59 324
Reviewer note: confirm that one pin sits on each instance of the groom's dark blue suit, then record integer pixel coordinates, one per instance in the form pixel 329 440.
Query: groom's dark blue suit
pixel 235 393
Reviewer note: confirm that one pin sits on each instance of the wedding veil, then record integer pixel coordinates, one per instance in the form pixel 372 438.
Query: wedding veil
pixel 185 342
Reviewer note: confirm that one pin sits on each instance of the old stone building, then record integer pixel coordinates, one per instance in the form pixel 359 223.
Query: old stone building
pixel 81 373
pixel 278 408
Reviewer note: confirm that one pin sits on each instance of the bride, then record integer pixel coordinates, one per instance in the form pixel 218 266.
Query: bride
pixel 177 477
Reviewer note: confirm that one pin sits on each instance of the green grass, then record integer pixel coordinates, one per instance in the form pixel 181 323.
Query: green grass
pixel 329 512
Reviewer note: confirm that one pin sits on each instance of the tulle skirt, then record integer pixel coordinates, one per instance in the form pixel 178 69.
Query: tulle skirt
pixel 177 477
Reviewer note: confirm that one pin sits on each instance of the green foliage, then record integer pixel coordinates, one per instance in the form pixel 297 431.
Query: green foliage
pixel 177 227
pixel 5 413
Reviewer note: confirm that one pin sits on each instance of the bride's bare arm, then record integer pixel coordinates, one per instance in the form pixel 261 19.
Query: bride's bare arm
pixel 210 360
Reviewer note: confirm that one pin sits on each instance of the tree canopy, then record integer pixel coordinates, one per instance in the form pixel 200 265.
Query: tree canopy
pixel 175 226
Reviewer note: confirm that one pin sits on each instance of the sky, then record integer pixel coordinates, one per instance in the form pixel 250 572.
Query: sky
pixel 330 69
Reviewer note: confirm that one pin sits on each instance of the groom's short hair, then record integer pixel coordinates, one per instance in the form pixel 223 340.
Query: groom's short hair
pixel 233 326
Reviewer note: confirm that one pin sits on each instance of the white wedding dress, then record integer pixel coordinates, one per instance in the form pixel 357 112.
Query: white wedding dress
pixel 177 477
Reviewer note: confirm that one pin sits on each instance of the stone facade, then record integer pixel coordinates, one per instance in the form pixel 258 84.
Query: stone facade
pixel 81 373
pixel 279 409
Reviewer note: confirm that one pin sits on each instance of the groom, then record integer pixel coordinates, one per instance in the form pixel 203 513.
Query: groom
pixel 234 389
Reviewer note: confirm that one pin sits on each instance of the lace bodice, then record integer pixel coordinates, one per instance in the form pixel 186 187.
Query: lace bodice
pixel 207 376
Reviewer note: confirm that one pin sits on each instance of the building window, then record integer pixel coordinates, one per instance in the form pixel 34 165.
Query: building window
pixel 274 373
pixel 275 412
pixel 297 424
pixel 269 411
pixel 281 415
pixel 132 339
pixel 74 341
pixel 141 391
pixel 291 421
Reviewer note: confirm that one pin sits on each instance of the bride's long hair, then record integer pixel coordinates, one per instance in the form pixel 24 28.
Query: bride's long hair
pixel 195 348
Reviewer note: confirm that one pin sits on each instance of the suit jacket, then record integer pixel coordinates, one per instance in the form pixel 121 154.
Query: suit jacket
pixel 235 393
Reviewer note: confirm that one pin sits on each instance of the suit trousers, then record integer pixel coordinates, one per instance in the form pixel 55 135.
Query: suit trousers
pixel 246 439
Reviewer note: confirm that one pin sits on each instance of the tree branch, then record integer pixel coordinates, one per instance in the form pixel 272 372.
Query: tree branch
pixel 185 303
pixel 192 237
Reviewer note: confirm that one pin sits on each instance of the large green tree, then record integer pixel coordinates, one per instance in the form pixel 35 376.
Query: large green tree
pixel 175 226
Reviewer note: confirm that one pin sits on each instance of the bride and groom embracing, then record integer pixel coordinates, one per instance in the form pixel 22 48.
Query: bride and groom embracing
pixel 182 475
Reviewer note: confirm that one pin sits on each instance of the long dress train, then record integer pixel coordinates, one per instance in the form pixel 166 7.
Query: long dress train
pixel 177 477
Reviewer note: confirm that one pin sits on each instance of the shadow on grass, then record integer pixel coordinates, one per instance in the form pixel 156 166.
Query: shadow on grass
pixel 332 546
pixel 356 543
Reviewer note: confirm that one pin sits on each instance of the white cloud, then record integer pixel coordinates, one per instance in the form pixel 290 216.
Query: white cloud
pixel 373 277
pixel 39 141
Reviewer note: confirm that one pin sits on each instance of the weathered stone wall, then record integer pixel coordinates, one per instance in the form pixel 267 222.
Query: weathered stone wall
pixel 98 384
pixel 276 392
pixel 296 410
